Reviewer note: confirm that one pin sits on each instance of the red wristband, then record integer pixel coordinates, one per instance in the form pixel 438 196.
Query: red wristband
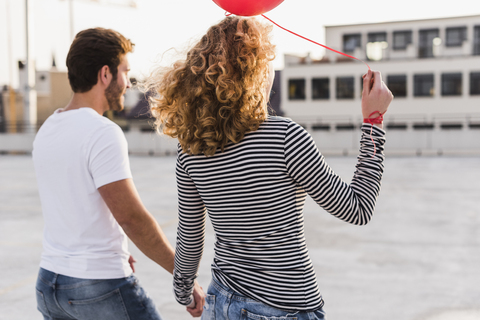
pixel 372 121
pixel 376 120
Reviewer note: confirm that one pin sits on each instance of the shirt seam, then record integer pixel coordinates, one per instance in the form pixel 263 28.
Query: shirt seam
pixel 298 212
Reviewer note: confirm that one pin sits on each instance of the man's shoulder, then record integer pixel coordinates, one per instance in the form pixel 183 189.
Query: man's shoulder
pixel 97 123
pixel 87 127
pixel 92 116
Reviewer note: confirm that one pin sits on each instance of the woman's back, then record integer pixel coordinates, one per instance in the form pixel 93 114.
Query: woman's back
pixel 252 173
pixel 254 193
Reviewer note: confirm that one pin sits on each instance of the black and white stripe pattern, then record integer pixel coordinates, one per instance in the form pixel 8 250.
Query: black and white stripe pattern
pixel 254 193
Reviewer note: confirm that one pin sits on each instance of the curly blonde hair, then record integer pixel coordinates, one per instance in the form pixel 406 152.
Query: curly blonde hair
pixel 217 93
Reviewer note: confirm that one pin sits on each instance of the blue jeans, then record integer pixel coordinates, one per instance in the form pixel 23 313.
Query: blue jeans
pixel 223 303
pixel 60 297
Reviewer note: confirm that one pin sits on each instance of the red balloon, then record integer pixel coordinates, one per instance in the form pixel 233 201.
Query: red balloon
pixel 247 7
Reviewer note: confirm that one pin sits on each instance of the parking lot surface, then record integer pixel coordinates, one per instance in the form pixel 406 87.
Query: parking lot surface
pixel 419 258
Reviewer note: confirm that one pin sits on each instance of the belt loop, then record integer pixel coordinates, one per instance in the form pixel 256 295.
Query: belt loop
pixel 227 305
pixel 54 280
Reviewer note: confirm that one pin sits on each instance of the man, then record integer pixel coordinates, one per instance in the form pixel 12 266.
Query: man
pixel 89 202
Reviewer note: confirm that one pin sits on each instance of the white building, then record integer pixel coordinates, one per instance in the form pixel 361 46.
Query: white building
pixel 432 67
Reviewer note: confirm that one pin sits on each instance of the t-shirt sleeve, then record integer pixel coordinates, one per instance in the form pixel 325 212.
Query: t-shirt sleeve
pixel 108 156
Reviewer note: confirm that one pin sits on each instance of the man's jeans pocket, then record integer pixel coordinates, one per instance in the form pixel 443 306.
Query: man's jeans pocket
pixel 110 304
pixel 41 304
pixel 209 308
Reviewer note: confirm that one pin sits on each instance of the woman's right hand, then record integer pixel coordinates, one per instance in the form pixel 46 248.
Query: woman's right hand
pixel 376 97
pixel 196 307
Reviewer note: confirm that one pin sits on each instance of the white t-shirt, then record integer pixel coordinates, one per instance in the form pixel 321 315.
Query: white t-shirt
pixel 75 152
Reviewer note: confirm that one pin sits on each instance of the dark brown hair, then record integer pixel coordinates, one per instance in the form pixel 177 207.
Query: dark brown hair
pixel 90 51
pixel 218 93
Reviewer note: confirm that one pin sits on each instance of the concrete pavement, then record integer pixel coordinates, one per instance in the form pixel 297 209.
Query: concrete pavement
pixel 419 259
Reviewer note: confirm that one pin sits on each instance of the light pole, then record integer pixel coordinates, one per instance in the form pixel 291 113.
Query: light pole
pixel 30 93
pixel 12 119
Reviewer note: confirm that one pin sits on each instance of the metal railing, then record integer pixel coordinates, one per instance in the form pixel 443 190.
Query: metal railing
pixel 18 127
pixel 394 122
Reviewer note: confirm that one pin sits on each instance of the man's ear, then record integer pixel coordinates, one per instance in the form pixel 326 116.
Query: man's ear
pixel 104 75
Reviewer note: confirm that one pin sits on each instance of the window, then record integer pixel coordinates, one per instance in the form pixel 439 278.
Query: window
pixel 352 41
pixel 361 86
pixel 451 126
pixel 475 83
pixel 456 36
pixel 377 37
pixel 345 126
pixel 426 42
pixel 451 84
pixel 345 88
pixel 296 89
pixel 377 42
pixel 398 85
pixel 476 40
pixel 397 126
pixel 423 85
pixel 401 39
pixel 320 88
pixel 321 127
pixel 423 126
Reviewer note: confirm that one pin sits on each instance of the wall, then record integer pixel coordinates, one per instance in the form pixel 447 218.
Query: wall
pixel 436 141
pixel 334 34
pixel 464 104
pixel 404 142
pixel 58 97
pixel 18 98
pixel 61 92
pixel 148 143
pixel 451 60
pixel 54 93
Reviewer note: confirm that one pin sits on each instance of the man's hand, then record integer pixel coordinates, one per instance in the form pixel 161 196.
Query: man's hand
pixel 124 202
pixel 131 261
pixel 199 299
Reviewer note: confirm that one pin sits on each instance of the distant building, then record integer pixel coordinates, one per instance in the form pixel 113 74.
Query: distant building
pixel 53 92
pixel 431 66
pixel 139 117
pixel 275 102
pixel 3 120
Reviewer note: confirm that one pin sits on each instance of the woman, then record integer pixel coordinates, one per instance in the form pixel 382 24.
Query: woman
pixel 251 173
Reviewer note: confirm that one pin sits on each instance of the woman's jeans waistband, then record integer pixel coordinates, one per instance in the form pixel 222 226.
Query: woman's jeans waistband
pixel 223 303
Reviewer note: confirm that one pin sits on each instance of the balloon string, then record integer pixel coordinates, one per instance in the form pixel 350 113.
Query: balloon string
pixel 321 45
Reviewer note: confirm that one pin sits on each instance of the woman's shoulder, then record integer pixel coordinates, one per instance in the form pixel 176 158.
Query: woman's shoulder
pixel 271 124
pixel 272 128
pixel 277 121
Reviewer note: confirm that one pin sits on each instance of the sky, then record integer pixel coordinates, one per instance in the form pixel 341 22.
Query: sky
pixel 162 29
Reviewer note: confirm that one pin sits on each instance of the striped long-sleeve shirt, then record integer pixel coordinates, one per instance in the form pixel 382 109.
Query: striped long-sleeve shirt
pixel 254 193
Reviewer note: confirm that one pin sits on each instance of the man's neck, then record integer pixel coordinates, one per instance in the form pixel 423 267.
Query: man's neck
pixel 90 99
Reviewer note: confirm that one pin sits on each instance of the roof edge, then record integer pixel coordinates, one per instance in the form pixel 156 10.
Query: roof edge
pixel 398 21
